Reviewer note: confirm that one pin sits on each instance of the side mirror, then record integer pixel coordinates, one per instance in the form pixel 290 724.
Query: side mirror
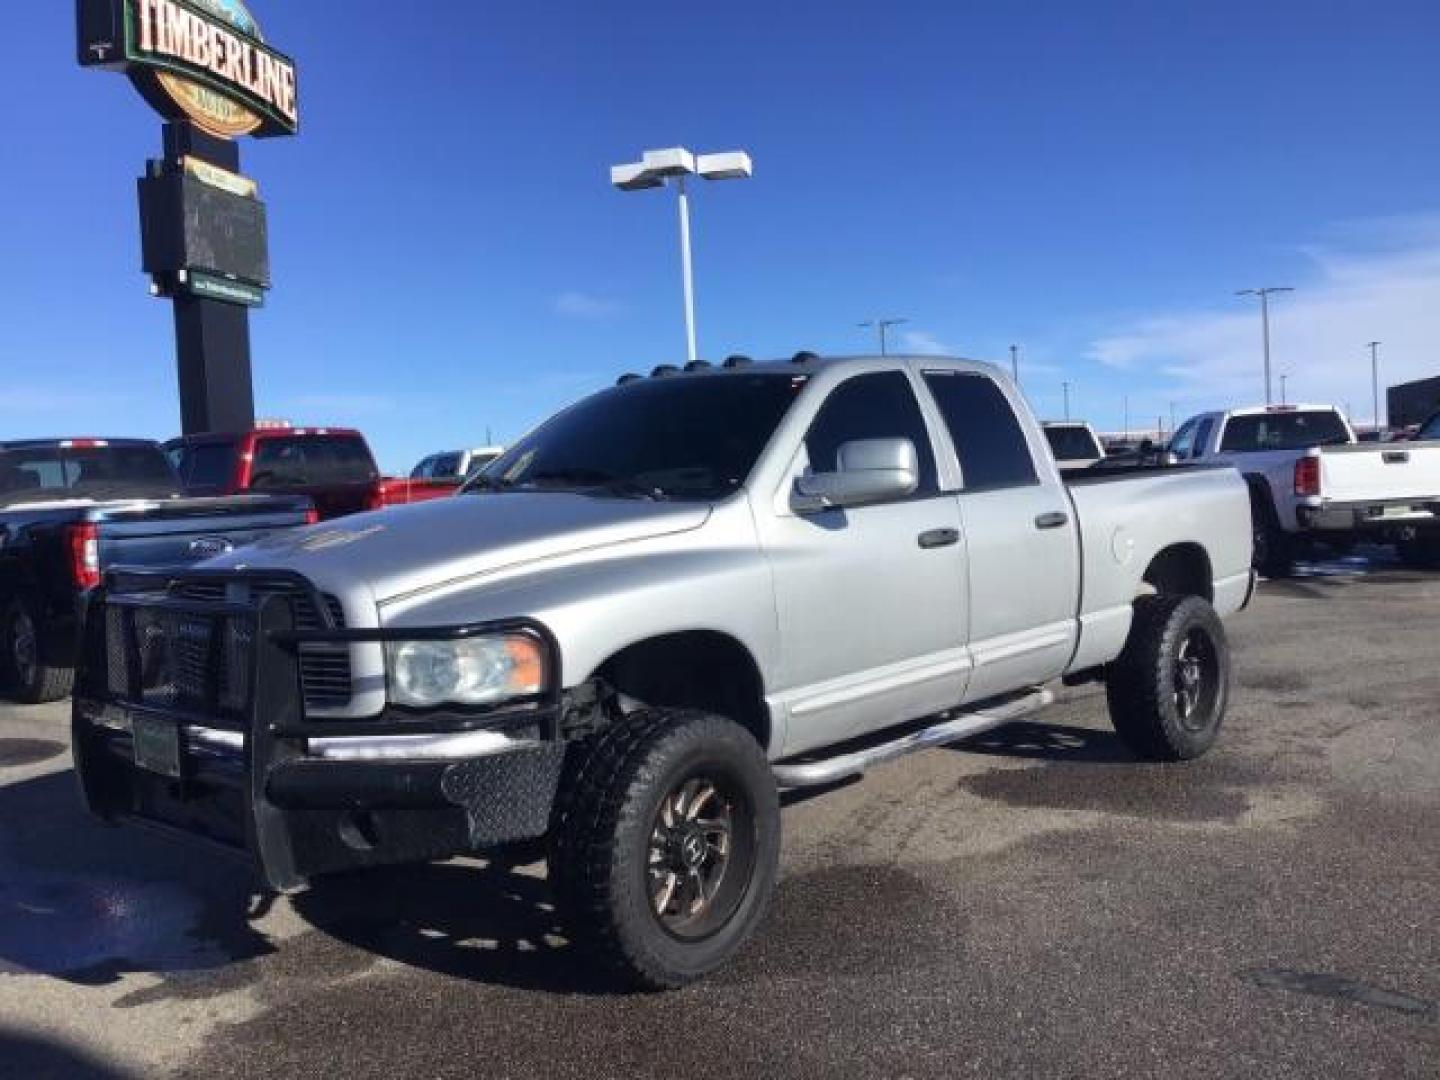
pixel 867 471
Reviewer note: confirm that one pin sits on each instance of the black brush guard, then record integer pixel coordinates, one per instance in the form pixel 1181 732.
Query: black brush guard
pixel 221 683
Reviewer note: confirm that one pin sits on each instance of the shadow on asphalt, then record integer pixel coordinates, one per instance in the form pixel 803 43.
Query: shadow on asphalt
pixel 87 903
pixel 36 1058
pixel 485 924
pixel 1049 742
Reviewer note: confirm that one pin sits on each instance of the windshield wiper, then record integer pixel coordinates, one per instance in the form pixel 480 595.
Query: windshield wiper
pixel 597 481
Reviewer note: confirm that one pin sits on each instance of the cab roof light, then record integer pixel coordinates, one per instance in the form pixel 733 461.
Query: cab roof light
pixel 83 444
pixel 628 377
pixel 663 371
pixel 272 425
pixel 804 356
pixel 697 365
pixel 737 361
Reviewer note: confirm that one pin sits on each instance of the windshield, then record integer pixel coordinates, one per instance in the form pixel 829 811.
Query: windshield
pixel 1283 431
pixel 683 437
pixel 1072 444
pixel 42 473
pixel 1431 430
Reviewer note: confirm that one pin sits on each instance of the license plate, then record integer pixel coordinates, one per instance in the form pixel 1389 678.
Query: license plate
pixel 157 745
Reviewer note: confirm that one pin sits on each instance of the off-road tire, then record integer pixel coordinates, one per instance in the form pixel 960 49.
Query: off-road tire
pixel 37 680
pixel 1420 552
pixel 601 830
pixel 1143 686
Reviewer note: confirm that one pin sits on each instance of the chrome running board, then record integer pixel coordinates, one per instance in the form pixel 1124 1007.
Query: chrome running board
pixel 957 725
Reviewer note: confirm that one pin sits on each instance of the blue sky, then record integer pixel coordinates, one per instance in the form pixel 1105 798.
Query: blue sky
pixel 1092 181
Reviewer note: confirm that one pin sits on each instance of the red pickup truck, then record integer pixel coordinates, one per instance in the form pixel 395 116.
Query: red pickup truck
pixel 332 466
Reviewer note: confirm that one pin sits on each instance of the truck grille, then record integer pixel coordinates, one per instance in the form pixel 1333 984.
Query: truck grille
pixel 177 651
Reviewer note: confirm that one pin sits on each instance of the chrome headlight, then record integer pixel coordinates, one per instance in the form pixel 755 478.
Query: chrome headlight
pixel 465 671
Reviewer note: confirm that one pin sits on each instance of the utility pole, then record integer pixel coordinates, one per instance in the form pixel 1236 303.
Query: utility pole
pixel 1127 417
pixel 1283 377
pixel 1172 418
pixel 1015 363
pixel 1066 387
pixel 1374 347
pixel 1264 294
pixel 882 327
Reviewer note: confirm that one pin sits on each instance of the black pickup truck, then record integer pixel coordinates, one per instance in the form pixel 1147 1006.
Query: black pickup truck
pixel 71 508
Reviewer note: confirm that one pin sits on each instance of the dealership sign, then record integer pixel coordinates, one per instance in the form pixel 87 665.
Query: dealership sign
pixel 198 60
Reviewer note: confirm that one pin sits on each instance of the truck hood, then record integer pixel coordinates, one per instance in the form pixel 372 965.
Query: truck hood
pixel 407 549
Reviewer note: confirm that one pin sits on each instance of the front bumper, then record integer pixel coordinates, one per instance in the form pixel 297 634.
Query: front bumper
pixel 299 797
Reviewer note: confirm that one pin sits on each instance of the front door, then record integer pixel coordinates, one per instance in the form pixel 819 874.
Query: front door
pixel 870 600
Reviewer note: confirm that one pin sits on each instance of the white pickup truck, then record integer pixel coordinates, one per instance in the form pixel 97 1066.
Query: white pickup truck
pixel 1309 478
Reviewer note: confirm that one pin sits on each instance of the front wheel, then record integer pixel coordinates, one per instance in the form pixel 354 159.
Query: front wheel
pixel 1168 690
pixel 665 845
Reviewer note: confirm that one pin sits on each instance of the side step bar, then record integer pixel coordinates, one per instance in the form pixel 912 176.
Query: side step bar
pixel 960 724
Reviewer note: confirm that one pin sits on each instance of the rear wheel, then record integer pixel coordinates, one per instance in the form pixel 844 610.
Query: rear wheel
pixel 1274 548
pixel 665 845
pixel 1169 688
pixel 24 670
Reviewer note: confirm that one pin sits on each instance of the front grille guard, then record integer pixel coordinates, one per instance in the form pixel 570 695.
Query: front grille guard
pixel 235 689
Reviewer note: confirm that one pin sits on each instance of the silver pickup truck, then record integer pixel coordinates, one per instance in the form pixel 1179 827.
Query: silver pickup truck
pixel 666 603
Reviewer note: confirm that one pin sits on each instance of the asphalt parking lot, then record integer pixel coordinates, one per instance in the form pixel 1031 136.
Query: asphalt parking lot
pixel 1033 903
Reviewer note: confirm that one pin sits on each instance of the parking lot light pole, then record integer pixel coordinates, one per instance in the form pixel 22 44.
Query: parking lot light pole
pixel 1374 348
pixel 655 169
pixel 1283 377
pixel 882 327
pixel 1015 364
pixel 1065 386
pixel 1264 294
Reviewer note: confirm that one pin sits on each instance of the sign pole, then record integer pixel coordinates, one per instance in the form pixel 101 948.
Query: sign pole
pixel 212 337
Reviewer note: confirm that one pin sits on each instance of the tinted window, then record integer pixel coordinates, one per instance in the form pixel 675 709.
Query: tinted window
pixel 1283 431
pixel 988 439
pixel 685 437
pixel 87 472
pixel 1202 437
pixel 208 465
pixel 1072 444
pixel 1183 441
pixel 1431 430
pixel 878 406
pixel 422 471
pixel 305 460
pixel 445 467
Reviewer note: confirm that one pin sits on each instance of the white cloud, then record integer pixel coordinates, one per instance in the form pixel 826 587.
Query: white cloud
pixel 924 343
pixel 581 305
pixel 1376 280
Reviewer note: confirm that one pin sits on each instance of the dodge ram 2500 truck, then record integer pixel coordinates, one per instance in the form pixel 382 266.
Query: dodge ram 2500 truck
pixel 1309 479
pixel 660 607
pixel 70 508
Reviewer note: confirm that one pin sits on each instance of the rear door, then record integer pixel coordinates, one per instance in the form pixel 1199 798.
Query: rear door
pixel 870 600
pixel 1022 547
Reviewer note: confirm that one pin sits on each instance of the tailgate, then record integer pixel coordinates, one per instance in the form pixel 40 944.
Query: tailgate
pixel 186 530
pixel 1376 473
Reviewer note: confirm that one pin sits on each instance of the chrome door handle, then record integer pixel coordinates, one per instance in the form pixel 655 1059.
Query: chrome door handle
pixel 1052 520
pixel 934 538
